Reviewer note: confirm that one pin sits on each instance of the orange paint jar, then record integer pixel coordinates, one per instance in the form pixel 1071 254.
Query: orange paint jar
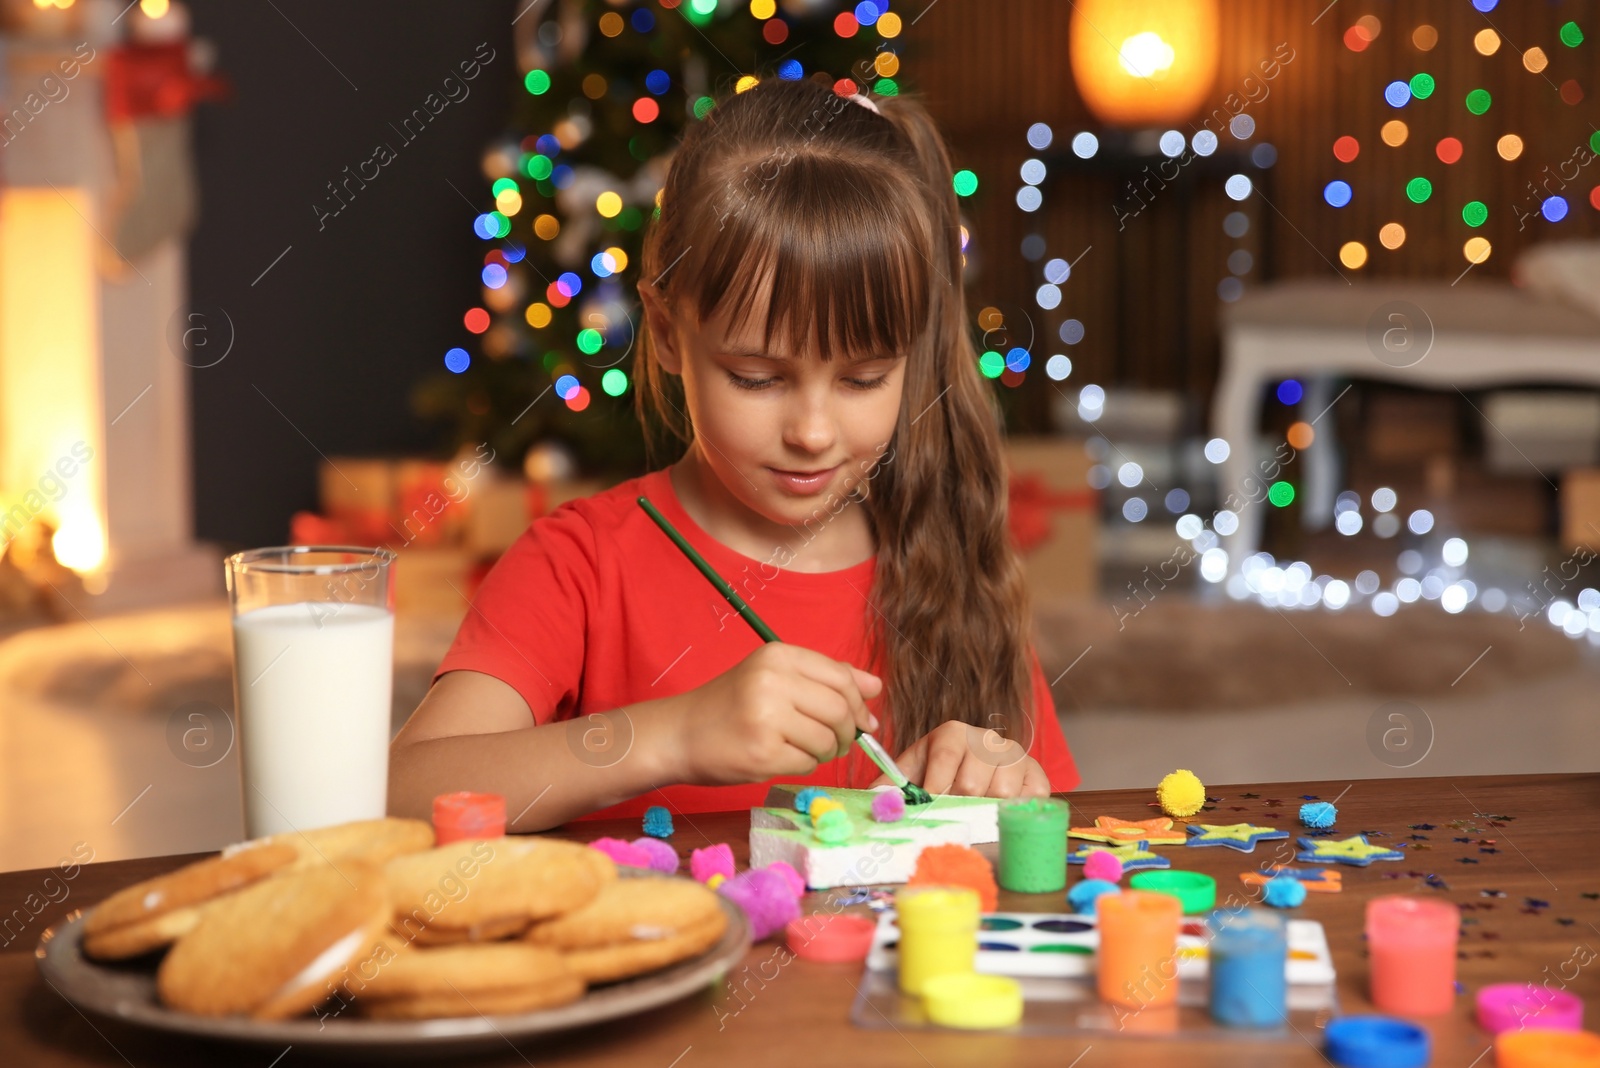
pixel 1137 962
pixel 1411 944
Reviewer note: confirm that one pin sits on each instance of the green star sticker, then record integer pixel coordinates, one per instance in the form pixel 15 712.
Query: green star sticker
pixel 1240 836
pixel 1356 850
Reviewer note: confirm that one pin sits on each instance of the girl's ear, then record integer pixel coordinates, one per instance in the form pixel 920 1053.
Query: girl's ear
pixel 663 331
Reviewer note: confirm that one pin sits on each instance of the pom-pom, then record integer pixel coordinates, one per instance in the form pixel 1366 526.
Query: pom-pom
pixel 803 799
pixel 716 880
pixel 704 863
pixel 957 865
pixel 766 899
pixel 790 876
pixel 622 852
pixel 1181 794
pixel 1318 815
pixel 663 858
pixel 1284 892
pixel 889 806
pixel 657 822
pixel 1083 893
pixel 1102 866
pixel 821 806
pixel 833 826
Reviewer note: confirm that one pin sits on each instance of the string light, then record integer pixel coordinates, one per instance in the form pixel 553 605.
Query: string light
pixel 1392 235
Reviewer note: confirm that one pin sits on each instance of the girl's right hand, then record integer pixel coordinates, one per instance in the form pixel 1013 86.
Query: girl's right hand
pixel 781 711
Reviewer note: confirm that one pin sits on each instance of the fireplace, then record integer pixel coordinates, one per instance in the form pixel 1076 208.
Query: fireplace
pixel 95 470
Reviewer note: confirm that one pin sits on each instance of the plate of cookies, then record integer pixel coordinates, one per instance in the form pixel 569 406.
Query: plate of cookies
pixel 368 937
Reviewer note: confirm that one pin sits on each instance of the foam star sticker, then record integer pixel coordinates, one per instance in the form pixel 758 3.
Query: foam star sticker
pixel 1134 856
pixel 1157 831
pixel 1240 836
pixel 1354 850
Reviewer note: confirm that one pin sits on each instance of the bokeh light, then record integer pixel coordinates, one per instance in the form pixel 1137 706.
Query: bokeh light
pixel 1418 190
pixel 1300 435
pixel 1476 249
pixel 1478 101
pixel 1424 38
pixel 1571 35
pixel 1397 93
pixel 965 182
pixel 1422 85
pixel 476 320
pixel 1353 254
pixel 1534 60
pixel 457 360
pixel 1394 133
pixel 1392 235
pixel 1509 147
pixel 1474 213
pixel 1346 149
pixel 1486 42
pixel 1554 209
pixel 1290 391
pixel 1281 494
pixel 1448 150
pixel 1336 193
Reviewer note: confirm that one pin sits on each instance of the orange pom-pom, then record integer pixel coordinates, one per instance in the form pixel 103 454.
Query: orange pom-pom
pixel 957 865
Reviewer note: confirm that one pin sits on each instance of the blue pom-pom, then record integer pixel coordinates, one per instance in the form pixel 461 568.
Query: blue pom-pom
pixel 1082 896
pixel 803 799
pixel 1318 815
pixel 1284 892
pixel 657 822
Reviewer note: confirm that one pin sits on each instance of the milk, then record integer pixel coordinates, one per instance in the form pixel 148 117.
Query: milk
pixel 312 686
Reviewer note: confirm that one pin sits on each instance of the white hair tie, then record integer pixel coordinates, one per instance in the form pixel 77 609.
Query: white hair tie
pixel 864 102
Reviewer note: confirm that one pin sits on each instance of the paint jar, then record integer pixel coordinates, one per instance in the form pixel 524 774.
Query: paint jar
pixel 1137 962
pixel 1411 942
pixel 468 815
pixel 1249 952
pixel 1033 846
pixel 1538 1048
pixel 938 933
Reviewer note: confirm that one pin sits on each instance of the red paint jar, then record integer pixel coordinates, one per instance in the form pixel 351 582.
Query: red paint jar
pixel 468 815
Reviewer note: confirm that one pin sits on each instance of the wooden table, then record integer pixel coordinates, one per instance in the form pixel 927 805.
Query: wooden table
pixel 771 1011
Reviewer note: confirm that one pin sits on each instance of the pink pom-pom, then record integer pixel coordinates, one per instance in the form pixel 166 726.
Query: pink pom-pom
pixel 704 863
pixel 765 897
pixel 1102 865
pixel 625 853
pixel 663 858
pixel 790 876
pixel 888 806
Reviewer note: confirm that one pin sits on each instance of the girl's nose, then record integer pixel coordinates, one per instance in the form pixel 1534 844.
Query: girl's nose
pixel 809 424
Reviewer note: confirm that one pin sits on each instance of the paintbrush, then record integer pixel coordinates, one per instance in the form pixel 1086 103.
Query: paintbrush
pixel 913 794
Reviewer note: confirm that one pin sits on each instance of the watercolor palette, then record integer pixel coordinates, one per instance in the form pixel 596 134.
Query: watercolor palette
pixel 1062 945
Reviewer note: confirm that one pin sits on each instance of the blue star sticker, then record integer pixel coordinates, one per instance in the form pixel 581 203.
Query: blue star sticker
pixel 1354 850
pixel 1240 836
pixel 1135 856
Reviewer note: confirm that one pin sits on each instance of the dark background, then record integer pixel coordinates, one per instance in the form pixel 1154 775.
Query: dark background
pixel 340 330
pixel 337 333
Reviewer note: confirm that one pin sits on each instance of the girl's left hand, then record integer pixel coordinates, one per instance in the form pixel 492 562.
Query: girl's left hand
pixel 958 758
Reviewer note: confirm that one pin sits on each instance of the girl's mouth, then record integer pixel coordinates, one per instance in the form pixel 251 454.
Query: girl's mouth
pixel 803 483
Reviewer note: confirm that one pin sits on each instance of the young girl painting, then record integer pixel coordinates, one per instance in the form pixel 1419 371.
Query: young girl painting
pixel 805 338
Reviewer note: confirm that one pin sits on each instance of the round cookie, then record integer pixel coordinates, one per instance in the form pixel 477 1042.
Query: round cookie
pixel 152 913
pixel 502 966
pixel 270 950
pixel 562 991
pixel 371 841
pixel 630 909
pixel 621 960
pixel 487 931
pixel 455 887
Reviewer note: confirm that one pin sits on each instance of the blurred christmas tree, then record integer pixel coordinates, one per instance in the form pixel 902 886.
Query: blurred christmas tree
pixel 610 86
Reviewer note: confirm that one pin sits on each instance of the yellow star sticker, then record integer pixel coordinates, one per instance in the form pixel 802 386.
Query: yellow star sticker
pixel 1240 836
pixel 1356 850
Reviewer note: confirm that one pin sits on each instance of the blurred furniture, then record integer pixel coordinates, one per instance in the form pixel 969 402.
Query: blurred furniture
pixel 1430 335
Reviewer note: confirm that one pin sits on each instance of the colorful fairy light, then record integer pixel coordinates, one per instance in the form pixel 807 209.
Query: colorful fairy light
pixel 1346 149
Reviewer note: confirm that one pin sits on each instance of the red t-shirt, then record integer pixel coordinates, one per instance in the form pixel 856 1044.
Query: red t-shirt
pixel 594 608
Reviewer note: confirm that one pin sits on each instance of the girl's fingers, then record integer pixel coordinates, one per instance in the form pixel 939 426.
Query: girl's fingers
pixel 1008 779
pixel 944 760
pixel 823 708
pixel 1035 783
pixel 912 761
pixel 841 678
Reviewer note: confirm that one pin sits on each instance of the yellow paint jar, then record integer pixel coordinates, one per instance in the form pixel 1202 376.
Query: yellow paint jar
pixel 938 933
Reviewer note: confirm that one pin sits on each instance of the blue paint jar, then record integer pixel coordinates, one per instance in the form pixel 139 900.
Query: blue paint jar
pixel 1248 953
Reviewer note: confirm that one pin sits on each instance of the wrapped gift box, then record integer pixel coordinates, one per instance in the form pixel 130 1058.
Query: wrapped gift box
pixel 1054 515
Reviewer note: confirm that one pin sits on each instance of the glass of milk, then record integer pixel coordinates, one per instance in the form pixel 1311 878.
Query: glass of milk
pixel 313 668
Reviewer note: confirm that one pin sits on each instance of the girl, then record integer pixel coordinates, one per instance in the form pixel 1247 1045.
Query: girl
pixel 805 336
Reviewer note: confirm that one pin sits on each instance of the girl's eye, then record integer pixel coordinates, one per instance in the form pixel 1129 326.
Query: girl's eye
pixel 750 383
pixel 868 383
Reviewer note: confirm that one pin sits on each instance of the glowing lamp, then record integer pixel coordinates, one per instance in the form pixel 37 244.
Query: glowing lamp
pixel 1144 62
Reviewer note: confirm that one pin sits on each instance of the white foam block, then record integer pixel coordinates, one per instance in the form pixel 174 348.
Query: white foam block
pixel 877 852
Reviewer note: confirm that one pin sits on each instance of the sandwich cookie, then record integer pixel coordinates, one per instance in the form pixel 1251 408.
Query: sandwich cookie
pixel 635 926
pixel 274 949
pixel 467 980
pixel 368 841
pixel 156 912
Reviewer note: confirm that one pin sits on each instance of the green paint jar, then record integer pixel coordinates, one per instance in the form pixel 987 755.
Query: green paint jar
pixel 1033 845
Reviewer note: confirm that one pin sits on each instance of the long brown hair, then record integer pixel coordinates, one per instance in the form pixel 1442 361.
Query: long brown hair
pixel 853 217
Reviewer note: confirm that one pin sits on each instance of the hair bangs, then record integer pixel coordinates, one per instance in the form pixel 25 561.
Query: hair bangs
pixel 837 253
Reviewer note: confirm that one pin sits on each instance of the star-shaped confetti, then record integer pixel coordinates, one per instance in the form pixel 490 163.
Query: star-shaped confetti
pixel 1134 856
pixel 1436 882
pixel 1563 921
pixel 1310 797
pixel 1422 826
pixel 1535 903
pixel 1354 850
pixel 1157 831
pixel 1466 860
pixel 1249 797
pixel 1240 836
pixel 1590 895
pixel 1492 893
